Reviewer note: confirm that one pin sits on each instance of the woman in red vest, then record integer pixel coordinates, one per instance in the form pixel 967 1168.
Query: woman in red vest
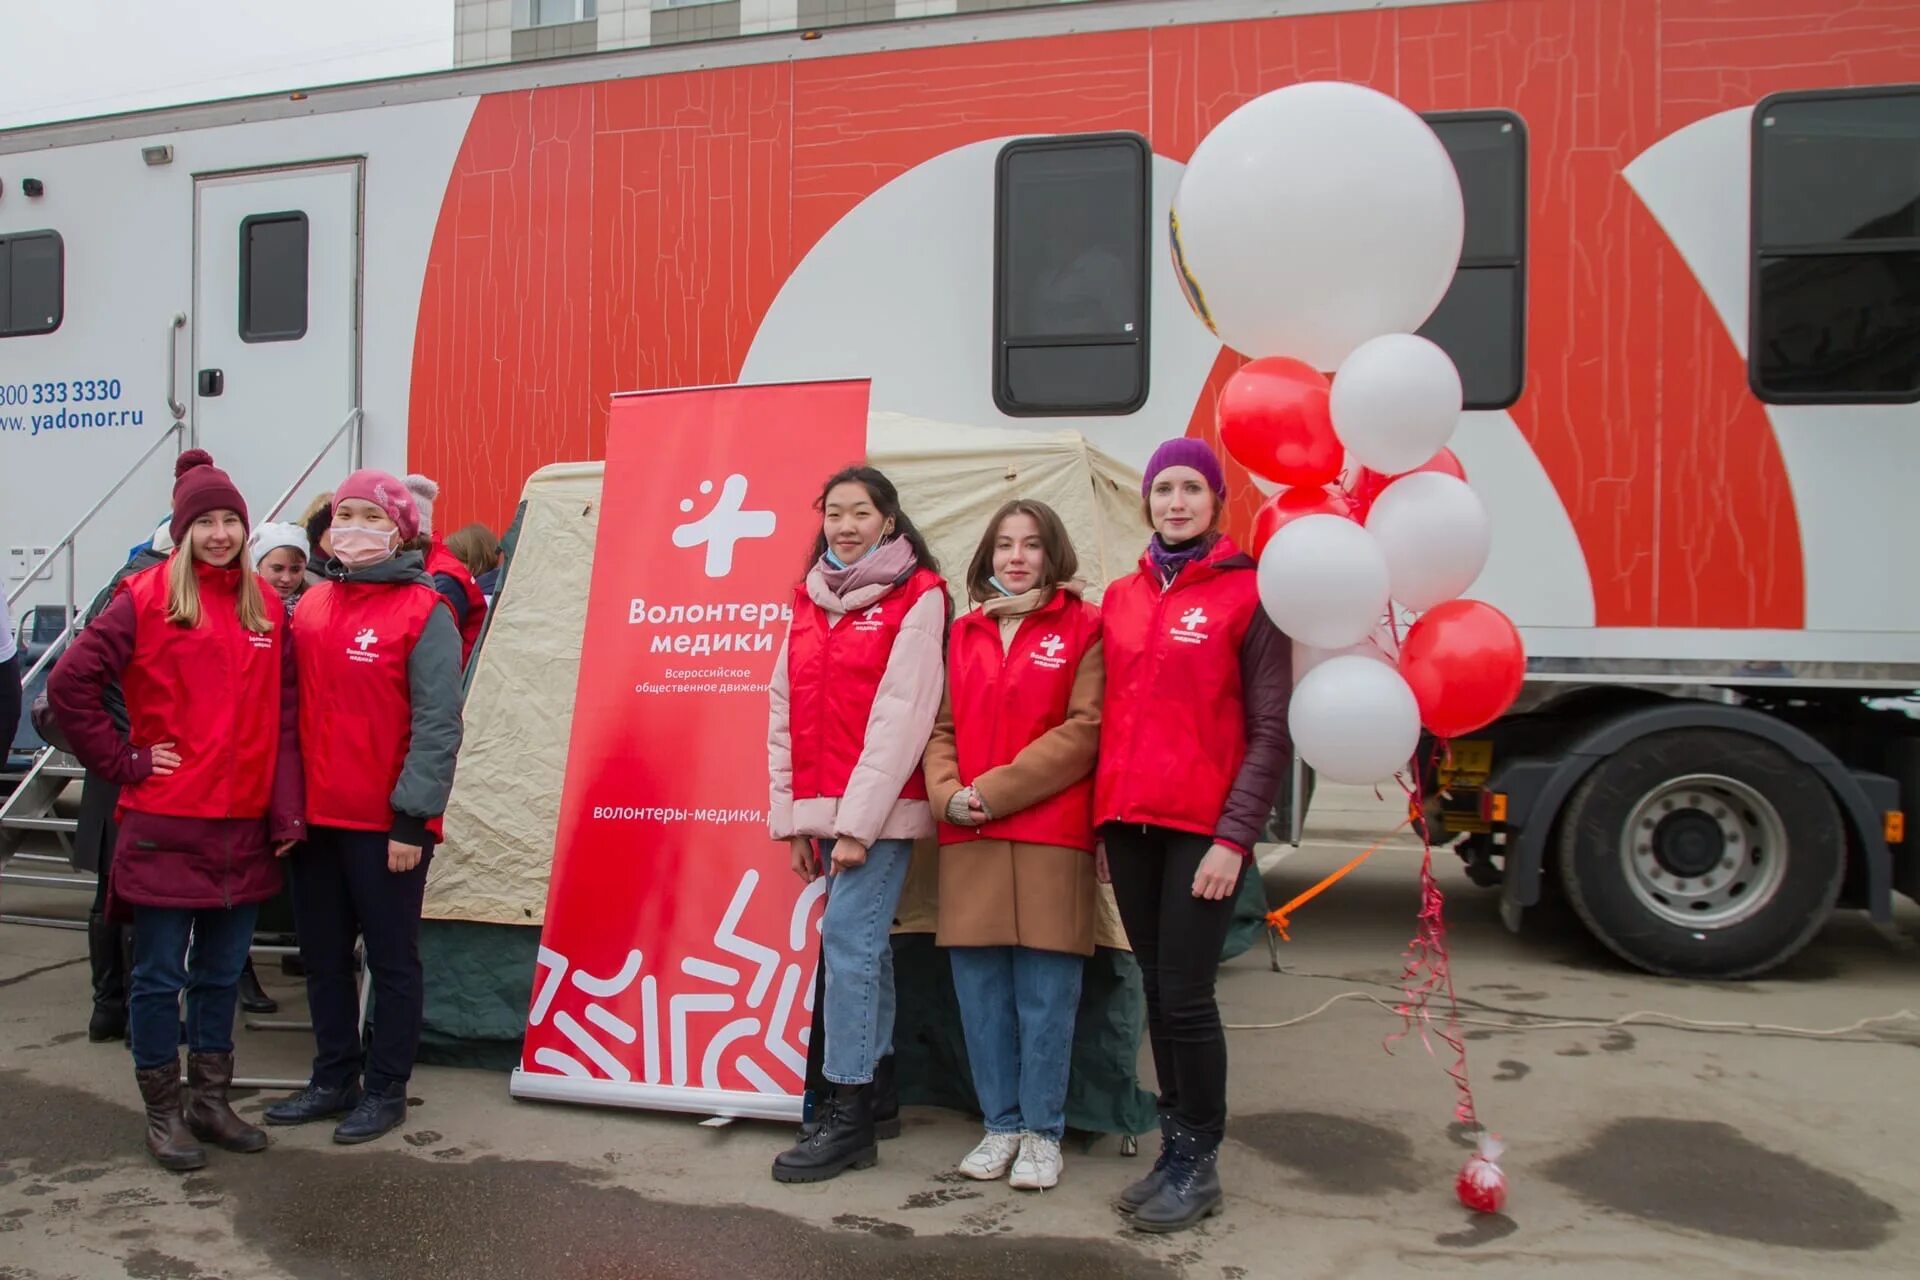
pixel 380 714
pixel 1010 769
pixel 210 780
pixel 1194 749
pixel 854 694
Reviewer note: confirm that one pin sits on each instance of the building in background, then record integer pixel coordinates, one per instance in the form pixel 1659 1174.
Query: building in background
pixel 491 31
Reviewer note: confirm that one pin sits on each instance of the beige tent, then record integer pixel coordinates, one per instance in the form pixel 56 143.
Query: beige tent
pixel 506 800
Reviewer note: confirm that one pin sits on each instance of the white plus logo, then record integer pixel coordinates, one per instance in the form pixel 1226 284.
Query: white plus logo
pixel 1053 645
pixel 723 526
pixel 872 613
pixel 366 639
pixel 1194 618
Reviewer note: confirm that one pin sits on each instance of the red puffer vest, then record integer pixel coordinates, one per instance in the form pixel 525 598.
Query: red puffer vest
pixel 1005 697
pixel 439 561
pixel 1173 721
pixel 833 676
pixel 213 689
pixel 353 641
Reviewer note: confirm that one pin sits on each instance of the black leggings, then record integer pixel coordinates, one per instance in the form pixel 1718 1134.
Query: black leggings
pixel 10 672
pixel 1176 937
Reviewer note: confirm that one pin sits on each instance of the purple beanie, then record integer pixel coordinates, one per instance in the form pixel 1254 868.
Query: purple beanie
pixel 1186 452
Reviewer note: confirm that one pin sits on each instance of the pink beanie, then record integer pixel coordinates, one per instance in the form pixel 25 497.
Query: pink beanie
pixel 384 492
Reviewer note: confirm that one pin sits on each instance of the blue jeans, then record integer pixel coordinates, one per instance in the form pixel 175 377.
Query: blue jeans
pixel 163 967
pixel 856 938
pixel 1017 1006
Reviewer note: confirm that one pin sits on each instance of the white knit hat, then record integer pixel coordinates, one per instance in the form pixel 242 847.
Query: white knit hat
pixel 269 537
pixel 162 540
pixel 424 491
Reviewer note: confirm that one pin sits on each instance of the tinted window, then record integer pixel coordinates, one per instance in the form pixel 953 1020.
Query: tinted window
pixel 1481 322
pixel 32 283
pixel 273 277
pixel 1836 240
pixel 1070 297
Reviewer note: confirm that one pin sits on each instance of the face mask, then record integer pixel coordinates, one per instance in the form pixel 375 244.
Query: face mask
pixel 999 586
pixel 357 546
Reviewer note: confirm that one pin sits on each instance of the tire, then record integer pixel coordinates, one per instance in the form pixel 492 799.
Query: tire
pixel 1702 853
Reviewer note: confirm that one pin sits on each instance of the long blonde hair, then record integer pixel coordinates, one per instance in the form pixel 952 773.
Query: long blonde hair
pixel 183 591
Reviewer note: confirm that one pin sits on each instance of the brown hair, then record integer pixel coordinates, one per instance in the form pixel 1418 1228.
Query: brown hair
pixel 1062 562
pixel 475 547
pixel 183 590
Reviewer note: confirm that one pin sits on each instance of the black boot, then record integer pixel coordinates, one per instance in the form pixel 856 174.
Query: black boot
pixel 108 960
pixel 843 1141
pixel 1190 1187
pixel 1136 1194
pixel 253 998
pixel 315 1102
pixel 886 1099
pixel 377 1114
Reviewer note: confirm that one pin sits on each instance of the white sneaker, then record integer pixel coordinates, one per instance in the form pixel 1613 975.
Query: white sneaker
pixel 991 1159
pixel 1037 1167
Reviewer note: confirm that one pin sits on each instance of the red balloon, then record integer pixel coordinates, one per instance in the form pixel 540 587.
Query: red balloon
pixel 1365 484
pixel 1465 664
pixel 1274 420
pixel 1288 505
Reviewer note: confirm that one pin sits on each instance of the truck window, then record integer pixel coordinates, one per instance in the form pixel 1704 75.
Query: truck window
pixel 1071 274
pixel 1481 322
pixel 33 283
pixel 1835 299
pixel 273 277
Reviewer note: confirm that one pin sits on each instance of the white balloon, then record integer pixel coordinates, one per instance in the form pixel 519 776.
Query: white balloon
pixel 1434 534
pixel 1354 720
pixel 1395 402
pixel 1380 647
pixel 1323 581
pixel 1314 218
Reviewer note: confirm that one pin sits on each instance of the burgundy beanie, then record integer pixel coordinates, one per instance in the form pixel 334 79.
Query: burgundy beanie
pixel 200 487
pixel 1186 452
pixel 385 492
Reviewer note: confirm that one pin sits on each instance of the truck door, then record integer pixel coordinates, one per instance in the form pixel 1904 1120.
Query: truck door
pixel 276 323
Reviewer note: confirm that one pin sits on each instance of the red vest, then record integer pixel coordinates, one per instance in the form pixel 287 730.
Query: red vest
pixel 833 676
pixel 212 690
pixel 1004 698
pixel 356 708
pixel 439 561
pixel 1173 722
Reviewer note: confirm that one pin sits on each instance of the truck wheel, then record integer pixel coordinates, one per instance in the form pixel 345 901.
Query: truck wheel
pixel 1702 853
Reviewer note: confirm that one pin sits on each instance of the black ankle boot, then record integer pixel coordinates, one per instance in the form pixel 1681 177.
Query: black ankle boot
pixel 377 1114
pixel 1136 1194
pixel 1190 1185
pixel 315 1102
pixel 107 958
pixel 843 1141
pixel 253 998
pixel 886 1099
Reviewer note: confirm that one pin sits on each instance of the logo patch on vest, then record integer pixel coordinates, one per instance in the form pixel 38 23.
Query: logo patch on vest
pixel 259 641
pixel 1050 659
pixel 726 524
pixel 362 649
pixel 870 620
pixel 1187 629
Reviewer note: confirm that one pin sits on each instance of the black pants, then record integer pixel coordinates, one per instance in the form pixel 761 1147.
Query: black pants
pixel 10 672
pixel 342 889
pixel 1176 937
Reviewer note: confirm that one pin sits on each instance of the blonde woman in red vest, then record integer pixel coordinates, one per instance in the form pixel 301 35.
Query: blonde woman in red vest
pixel 210 798
pixel 380 712
pixel 854 695
pixel 1194 749
pixel 1010 769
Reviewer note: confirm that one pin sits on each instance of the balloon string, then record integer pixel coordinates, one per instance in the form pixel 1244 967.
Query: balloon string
pixel 1277 920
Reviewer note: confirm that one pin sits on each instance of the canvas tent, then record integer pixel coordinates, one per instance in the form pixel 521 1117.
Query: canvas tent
pixel 487 891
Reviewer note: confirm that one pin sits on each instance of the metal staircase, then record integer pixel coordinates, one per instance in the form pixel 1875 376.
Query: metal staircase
pixel 29 813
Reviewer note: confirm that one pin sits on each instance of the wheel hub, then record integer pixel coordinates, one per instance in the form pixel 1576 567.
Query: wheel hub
pixel 1704 851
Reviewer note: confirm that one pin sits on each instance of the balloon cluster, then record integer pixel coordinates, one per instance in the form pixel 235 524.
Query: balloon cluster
pixel 1371 522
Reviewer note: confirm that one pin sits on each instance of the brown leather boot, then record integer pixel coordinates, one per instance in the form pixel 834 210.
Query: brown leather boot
pixel 168 1140
pixel 207 1112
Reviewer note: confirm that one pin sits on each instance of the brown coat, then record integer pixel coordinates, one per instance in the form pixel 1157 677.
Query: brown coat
pixel 995 893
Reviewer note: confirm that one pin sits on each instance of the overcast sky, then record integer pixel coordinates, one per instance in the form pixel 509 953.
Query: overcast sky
pixel 66 59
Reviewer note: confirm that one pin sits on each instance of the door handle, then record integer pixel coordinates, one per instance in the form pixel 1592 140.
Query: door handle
pixel 212 382
pixel 178 410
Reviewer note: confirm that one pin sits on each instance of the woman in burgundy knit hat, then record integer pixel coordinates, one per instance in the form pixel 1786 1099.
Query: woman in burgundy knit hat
pixel 211 794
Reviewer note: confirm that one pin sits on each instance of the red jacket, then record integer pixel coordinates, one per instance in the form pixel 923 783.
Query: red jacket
pixel 1004 697
pixel 833 676
pixel 356 645
pixel 442 562
pixel 1194 722
pixel 227 698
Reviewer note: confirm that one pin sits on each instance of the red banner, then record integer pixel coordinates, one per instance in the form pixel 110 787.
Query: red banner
pixel 677 961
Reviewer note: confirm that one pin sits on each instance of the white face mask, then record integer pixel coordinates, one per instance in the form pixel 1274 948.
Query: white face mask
pixel 357 546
